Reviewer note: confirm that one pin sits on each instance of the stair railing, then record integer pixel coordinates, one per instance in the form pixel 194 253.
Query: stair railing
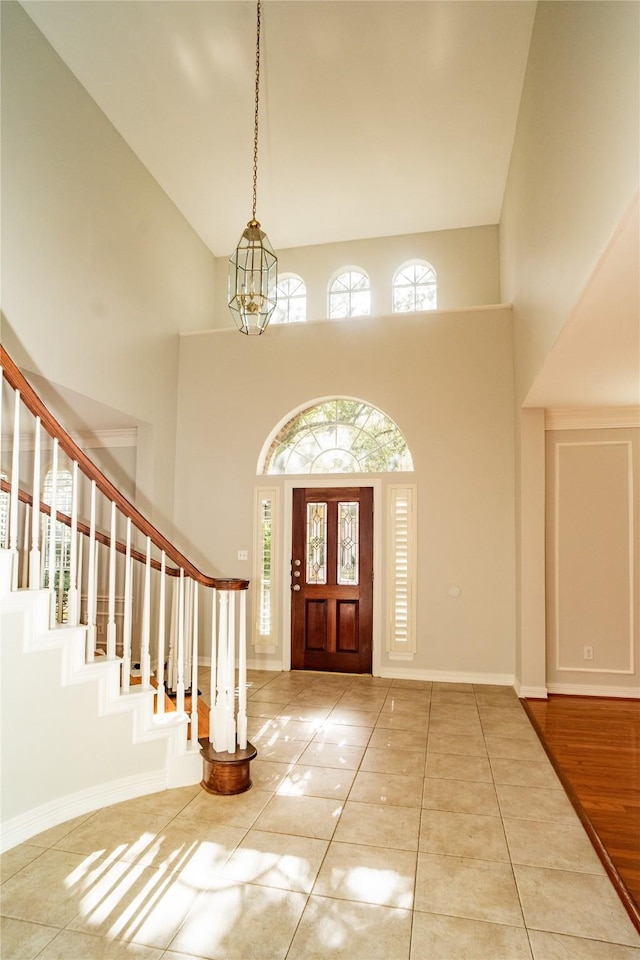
pixel 117 583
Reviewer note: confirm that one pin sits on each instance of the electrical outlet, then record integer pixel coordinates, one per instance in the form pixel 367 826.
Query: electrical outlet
pixel 243 554
pixel 587 653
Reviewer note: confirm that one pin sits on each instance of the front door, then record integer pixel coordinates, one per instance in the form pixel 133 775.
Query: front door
pixel 332 579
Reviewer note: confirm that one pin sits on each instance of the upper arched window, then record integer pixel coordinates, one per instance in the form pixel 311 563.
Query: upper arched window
pixel 350 295
pixel 338 436
pixel 415 287
pixel 291 306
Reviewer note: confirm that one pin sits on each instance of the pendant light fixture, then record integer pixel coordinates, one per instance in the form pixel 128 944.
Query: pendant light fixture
pixel 253 267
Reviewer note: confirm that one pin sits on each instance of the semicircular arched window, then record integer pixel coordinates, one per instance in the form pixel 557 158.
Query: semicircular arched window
pixel 291 306
pixel 415 287
pixel 339 436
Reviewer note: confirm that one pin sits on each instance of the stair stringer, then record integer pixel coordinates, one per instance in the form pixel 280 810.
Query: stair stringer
pixel 178 764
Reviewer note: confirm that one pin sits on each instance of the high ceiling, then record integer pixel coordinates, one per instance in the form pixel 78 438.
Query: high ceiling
pixel 377 118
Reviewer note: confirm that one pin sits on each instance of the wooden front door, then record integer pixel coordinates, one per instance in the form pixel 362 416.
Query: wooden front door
pixel 332 579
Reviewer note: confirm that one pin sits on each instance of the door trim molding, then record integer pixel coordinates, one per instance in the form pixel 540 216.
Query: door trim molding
pixel 344 480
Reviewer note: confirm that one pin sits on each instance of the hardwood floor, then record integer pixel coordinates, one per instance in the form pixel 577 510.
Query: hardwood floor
pixel 594 745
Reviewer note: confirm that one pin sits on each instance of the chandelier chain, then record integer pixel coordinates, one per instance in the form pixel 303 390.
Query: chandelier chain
pixel 255 118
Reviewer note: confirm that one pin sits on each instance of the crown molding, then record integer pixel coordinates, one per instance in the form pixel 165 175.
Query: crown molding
pixel 590 418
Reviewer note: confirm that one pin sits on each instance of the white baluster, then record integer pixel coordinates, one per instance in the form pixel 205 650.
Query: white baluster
pixel 231 664
pixel 80 574
pixel 111 617
pixel 24 574
pixel 194 668
pixel 52 534
pixel 73 613
pixel 60 604
pixel 145 658
pixel 173 633
pixel 34 557
pixel 15 486
pixel 220 711
pixel 212 681
pixel 242 673
pixel 126 625
pixel 161 620
pixel 91 580
pixel 180 657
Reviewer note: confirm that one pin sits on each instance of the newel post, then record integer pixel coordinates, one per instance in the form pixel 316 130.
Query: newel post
pixel 227 754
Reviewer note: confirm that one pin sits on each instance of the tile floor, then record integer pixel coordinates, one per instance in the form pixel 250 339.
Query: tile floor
pixel 388 820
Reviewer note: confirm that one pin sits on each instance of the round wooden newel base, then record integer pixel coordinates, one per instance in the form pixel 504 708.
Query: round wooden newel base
pixel 226 773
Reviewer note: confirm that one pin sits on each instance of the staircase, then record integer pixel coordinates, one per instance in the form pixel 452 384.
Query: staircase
pixel 76 733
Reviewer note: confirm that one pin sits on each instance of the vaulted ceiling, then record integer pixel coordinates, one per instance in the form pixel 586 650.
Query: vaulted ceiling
pixel 376 118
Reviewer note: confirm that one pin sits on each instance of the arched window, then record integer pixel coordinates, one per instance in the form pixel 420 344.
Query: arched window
pixel 291 304
pixel 338 436
pixel 415 287
pixel 350 295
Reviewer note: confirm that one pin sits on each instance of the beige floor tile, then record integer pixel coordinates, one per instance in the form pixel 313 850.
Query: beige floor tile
pixel 307 780
pixel 457 743
pixel 510 748
pixel 237 811
pixel 21 940
pixel 383 738
pixel 48 838
pixel 518 728
pixel 333 929
pixel 43 892
pixel 504 699
pixel 132 903
pixel 267 775
pixel 523 773
pixel 235 921
pixel 368 874
pixel 556 946
pixel 281 751
pixel 115 832
pixel 562 846
pixel 410 693
pixel 388 720
pixel 194 850
pixel 456 767
pixel 460 796
pixel 393 760
pixel 267 694
pixel 446 710
pixel 458 697
pixel 462 887
pixel 300 711
pixel 438 937
pixel 73 945
pixel 535 803
pixel 455 725
pixel 260 710
pixel 463 835
pixel 379 825
pixel 301 816
pixel 343 733
pixel 442 686
pixel 418 709
pixel 400 684
pixel 354 718
pixel 18 857
pixel 361 700
pixel 276 860
pixel 322 754
pixel 264 732
pixel 576 904
pixel 166 803
pixel 390 788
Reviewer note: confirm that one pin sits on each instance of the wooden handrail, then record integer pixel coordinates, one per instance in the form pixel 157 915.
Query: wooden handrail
pixel 34 404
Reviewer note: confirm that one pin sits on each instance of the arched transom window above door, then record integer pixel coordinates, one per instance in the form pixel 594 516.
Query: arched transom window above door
pixel 338 436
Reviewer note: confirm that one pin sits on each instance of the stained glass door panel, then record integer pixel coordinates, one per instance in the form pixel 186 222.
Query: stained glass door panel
pixel 332 579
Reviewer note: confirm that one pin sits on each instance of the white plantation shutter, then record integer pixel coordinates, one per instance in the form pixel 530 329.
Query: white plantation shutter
pixel 401 564
pixel 266 520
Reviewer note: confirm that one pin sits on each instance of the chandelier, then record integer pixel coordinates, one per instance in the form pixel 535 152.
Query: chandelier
pixel 253 267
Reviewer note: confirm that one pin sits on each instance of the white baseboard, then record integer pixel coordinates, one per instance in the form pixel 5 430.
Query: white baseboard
pixel 448 676
pixel 583 690
pixel 530 693
pixel 50 814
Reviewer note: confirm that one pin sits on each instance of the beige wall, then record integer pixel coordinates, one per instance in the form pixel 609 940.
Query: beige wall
pixel 592 560
pixel 466 263
pixel 99 270
pixel 574 168
pixel 446 380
